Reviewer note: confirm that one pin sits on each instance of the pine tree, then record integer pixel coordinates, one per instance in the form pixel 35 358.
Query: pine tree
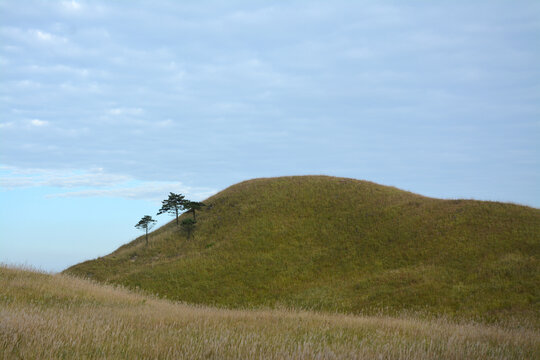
pixel 174 204
pixel 188 225
pixel 192 206
pixel 146 223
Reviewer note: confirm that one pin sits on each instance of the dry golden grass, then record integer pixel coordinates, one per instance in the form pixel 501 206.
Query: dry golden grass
pixel 57 316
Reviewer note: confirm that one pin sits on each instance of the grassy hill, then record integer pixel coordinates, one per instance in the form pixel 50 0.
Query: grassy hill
pixel 336 244
pixel 61 317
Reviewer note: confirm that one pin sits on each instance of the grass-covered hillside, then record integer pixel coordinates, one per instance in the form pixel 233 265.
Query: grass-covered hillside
pixel 336 244
pixel 60 317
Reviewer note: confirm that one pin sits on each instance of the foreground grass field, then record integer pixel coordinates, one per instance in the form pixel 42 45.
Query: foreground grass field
pixel 57 316
pixel 341 245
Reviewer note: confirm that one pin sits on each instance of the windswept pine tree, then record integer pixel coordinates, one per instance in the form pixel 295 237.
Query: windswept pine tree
pixel 146 223
pixel 173 205
pixel 192 207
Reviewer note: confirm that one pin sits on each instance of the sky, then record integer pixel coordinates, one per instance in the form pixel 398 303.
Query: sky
pixel 107 106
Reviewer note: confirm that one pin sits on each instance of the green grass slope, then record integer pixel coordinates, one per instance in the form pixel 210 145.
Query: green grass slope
pixel 345 245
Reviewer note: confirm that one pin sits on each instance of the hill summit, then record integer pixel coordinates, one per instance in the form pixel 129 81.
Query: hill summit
pixel 337 244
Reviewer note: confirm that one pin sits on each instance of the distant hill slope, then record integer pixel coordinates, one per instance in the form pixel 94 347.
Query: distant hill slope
pixel 344 245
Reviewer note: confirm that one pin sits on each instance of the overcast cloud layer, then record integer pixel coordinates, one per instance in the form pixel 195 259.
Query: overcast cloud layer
pixel 441 98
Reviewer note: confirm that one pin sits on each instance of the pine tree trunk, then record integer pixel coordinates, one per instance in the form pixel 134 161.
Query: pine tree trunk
pixel 194 218
pixel 176 216
pixel 146 236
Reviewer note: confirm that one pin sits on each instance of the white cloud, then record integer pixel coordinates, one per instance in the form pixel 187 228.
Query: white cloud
pixel 27 84
pixel 126 111
pixel 15 177
pixel 61 69
pixel 165 123
pixel 95 182
pixel 38 123
pixel 6 125
pixel 71 5
pixel 153 190
pixel 43 35
pixel 46 37
pixel 89 88
pixel 15 38
pixel 359 53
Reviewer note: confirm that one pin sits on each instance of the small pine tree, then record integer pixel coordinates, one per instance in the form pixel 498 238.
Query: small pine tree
pixel 192 206
pixel 188 225
pixel 146 223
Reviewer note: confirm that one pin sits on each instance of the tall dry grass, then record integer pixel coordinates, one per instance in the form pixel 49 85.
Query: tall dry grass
pixel 56 316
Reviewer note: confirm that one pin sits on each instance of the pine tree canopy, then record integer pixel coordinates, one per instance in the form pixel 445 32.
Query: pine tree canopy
pixel 173 204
